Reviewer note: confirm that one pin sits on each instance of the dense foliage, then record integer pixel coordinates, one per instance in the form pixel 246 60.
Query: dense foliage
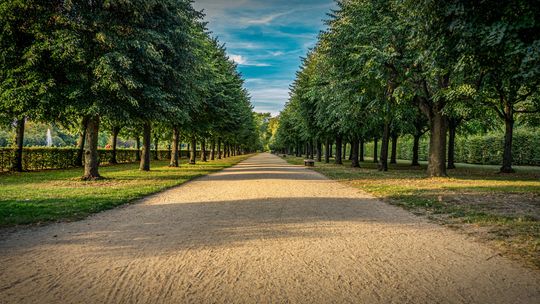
pixel 147 69
pixel 39 158
pixel 388 68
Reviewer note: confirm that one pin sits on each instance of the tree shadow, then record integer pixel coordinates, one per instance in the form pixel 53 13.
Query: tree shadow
pixel 163 228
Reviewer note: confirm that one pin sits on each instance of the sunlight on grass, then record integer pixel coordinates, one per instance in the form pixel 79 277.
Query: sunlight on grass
pixel 503 209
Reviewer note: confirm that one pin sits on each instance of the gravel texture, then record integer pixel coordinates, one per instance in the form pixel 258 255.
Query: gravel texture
pixel 260 232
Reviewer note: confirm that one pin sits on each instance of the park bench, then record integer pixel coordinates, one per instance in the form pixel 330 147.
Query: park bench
pixel 309 163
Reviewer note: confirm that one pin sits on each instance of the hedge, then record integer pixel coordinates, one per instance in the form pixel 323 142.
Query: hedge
pixel 477 149
pixel 62 158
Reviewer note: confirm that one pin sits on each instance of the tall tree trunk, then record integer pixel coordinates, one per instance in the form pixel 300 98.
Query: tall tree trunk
pixel 361 152
pixel 156 146
pixel 80 142
pixel 351 151
pixel 193 153
pixel 219 148
pixel 452 126
pixel 146 148
pixel 344 156
pixel 416 147
pixel 175 156
pixel 508 137
pixel 327 149
pixel 339 146
pixel 91 156
pixel 437 145
pixel 138 152
pixel 375 150
pixel 319 150
pixel 19 141
pixel 393 155
pixel 213 149
pixel 383 160
pixel 203 150
pixel 114 141
pixel 355 145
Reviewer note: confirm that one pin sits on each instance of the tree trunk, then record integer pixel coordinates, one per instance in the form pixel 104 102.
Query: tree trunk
pixel 351 151
pixel 219 148
pixel 175 144
pixel 452 126
pixel 114 140
pixel 213 150
pixel 19 141
pixel 203 150
pixel 355 145
pixel 416 147
pixel 361 152
pixel 146 148
pixel 437 145
pixel 156 146
pixel 375 150
pixel 393 155
pixel 91 156
pixel 327 151
pixel 319 151
pixel 138 152
pixel 508 136
pixel 339 146
pixel 80 143
pixel 344 156
pixel 383 160
pixel 193 154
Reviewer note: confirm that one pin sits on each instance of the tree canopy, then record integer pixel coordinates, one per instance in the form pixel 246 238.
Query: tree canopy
pixel 385 68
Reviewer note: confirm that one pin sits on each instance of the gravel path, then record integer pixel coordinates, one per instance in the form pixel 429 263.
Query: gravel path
pixel 260 232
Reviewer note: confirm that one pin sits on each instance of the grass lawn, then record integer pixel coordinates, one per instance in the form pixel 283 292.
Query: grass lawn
pixel 60 195
pixel 502 209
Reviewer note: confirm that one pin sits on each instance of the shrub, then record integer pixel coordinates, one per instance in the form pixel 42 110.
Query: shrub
pixel 62 158
pixel 477 149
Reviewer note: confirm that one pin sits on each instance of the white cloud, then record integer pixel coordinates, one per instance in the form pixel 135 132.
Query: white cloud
pixel 242 60
pixel 264 20
pixel 244 45
pixel 278 53
pixel 238 59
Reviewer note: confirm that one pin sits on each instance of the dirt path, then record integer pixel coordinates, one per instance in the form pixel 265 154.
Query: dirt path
pixel 262 231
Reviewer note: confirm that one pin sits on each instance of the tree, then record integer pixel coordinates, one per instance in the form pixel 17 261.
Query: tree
pixel 508 57
pixel 25 78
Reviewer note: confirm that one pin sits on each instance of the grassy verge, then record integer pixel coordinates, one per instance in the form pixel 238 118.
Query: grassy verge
pixel 501 209
pixel 60 195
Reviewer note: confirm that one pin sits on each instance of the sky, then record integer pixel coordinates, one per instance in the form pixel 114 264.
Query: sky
pixel 266 39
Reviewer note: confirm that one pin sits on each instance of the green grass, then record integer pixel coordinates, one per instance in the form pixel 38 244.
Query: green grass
pixel 60 195
pixel 502 209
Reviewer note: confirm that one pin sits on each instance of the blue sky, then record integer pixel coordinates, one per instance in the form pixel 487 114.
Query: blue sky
pixel 266 39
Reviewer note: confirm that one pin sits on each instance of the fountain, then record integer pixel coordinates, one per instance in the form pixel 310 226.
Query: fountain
pixel 49 138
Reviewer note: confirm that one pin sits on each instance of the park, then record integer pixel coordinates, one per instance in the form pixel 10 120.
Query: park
pixel 360 151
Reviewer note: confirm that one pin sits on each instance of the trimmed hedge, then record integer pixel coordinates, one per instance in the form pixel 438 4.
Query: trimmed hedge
pixel 477 149
pixel 62 158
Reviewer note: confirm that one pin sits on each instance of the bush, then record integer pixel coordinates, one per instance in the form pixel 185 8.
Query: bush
pixel 477 149
pixel 62 158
